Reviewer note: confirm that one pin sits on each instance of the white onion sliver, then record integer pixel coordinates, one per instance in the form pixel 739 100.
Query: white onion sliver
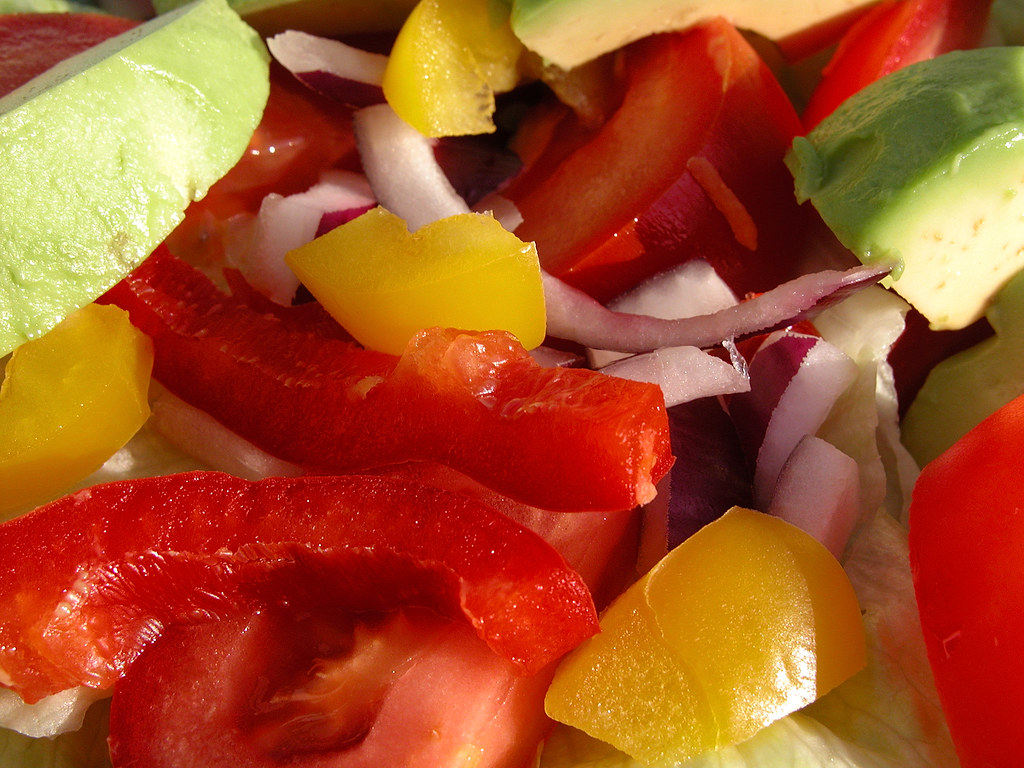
pixel 823 375
pixel 400 165
pixel 301 52
pixel 819 491
pixel 575 316
pixel 690 289
pixel 207 440
pixel 683 373
pixel 285 223
pixel 51 716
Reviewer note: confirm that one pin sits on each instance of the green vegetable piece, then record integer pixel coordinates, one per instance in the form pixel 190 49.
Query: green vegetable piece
pixel 571 32
pixel 923 169
pixel 330 18
pixel 964 389
pixel 100 156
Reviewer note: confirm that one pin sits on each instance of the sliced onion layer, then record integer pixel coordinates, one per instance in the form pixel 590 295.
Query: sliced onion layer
pixel 341 72
pixel 575 316
pixel 819 491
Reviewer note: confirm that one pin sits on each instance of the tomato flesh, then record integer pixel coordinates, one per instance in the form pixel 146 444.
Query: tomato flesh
pixel 313 688
pixel 116 563
pixel 966 551
pixel 31 43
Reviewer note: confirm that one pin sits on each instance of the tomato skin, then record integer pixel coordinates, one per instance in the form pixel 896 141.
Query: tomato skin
pixel 966 551
pixel 606 215
pixel 31 43
pixel 145 554
pixel 892 35
pixel 568 439
pixel 411 689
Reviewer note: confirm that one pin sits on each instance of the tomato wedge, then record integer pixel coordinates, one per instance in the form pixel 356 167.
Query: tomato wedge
pixel 686 167
pixel 569 439
pixel 31 43
pixel 967 556
pixel 316 689
pixel 892 35
pixel 90 579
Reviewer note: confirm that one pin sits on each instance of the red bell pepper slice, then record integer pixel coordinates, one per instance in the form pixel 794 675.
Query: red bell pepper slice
pixel 88 580
pixel 967 558
pixel 569 439
pixel 690 165
pixel 890 36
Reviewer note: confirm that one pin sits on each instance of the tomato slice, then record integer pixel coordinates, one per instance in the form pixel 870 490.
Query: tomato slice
pixel 315 688
pixel 569 439
pixel 686 167
pixel 88 580
pixel 892 35
pixel 300 135
pixel 31 43
pixel 966 552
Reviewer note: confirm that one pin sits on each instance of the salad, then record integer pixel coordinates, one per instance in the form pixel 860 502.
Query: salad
pixel 491 399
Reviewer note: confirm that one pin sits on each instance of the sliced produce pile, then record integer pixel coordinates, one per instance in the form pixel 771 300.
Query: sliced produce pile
pixel 510 383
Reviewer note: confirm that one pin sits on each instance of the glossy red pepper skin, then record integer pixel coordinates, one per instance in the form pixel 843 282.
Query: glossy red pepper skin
pixel 688 166
pixel 568 439
pixel 88 580
pixel 890 36
pixel 966 554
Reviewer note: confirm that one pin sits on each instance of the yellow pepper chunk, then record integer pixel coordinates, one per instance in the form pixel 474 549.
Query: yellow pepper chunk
pixel 449 59
pixel 745 622
pixel 384 284
pixel 69 400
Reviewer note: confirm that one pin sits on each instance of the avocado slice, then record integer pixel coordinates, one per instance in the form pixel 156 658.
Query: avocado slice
pixel 101 154
pixel 924 169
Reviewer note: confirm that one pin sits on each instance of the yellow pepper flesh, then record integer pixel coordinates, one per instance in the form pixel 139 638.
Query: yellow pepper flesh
pixel 69 400
pixel 745 622
pixel 385 284
pixel 449 59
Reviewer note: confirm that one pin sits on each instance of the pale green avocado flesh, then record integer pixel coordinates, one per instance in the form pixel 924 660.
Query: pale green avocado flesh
pixel 322 17
pixel 966 388
pixel 925 169
pixel 571 32
pixel 100 156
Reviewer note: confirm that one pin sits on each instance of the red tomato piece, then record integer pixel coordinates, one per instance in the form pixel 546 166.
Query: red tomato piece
pixel 892 35
pixel 88 580
pixel 31 43
pixel 569 439
pixel 686 167
pixel 318 689
pixel 967 556
pixel 300 135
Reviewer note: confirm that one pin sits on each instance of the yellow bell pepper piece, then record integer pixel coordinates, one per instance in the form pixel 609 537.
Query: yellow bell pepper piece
pixel 69 400
pixel 448 61
pixel 385 284
pixel 745 622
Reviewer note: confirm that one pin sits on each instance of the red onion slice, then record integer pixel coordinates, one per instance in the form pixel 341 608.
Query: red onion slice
pixel 284 223
pixel 575 316
pixel 687 290
pixel 404 174
pixel 795 380
pixel 819 491
pixel 341 72
pixel 711 473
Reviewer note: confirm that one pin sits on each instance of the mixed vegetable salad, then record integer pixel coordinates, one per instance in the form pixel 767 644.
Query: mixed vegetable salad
pixel 501 409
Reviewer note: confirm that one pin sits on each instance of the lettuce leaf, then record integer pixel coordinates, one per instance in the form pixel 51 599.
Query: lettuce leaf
pixel 84 748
